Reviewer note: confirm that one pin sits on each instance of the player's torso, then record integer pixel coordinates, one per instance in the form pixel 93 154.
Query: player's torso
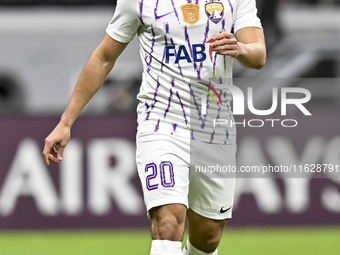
pixel 175 50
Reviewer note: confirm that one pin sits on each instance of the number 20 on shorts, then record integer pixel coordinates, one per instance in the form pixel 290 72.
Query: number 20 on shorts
pixel 164 167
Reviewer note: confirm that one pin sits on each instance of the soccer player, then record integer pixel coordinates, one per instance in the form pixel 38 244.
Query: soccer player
pixel 182 42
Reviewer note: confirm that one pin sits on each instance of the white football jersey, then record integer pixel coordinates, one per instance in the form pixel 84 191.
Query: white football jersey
pixel 178 95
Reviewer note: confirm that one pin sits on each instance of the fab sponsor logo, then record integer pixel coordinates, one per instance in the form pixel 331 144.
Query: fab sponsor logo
pixel 196 53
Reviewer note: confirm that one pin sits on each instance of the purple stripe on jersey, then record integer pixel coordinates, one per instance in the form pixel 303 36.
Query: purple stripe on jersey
pixel 204 40
pixel 224 57
pixel 199 73
pixel 195 102
pixel 230 113
pixel 225 65
pixel 214 64
pixel 182 106
pixel 167 35
pixel 192 135
pixel 147 114
pixel 157 125
pixel 206 32
pixel 208 99
pixel 155 94
pixel 229 110
pixel 170 97
pixel 200 116
pixel 212 137
pixel 174 126
pixel 147 106
pixel 179 65
pixel 218 113
pixel 231 7
pixel 166 26
pixel 226 102
pixel 166 43
pixel 150 54
pixel 227 136
pixel 140 15
pixel 219 106
pixel 187 38
pixel 223 25
pixel 174 7
pixel 154 100
pixel 225 95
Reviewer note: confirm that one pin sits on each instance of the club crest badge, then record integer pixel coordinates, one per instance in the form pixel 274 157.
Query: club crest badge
pixel 214 10
pixel 190 13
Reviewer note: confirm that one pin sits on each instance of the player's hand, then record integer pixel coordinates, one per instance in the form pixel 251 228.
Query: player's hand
pixel 225 44
pixel 59 136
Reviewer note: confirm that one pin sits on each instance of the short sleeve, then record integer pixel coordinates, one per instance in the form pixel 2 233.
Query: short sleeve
pixel 246 15
pixel 125 22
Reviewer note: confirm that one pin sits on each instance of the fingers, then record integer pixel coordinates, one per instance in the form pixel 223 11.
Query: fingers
pixel 225 44
pixel 46 152
pixel 59 136
pixel 54 151
pixel 46 159
pixel 50 153
pixel 52 158
pixel 223 35
pixel 60 152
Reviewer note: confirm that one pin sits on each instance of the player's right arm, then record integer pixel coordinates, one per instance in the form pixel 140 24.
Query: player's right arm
pixel 90 80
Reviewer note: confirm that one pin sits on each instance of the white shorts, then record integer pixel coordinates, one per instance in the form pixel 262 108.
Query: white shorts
pixel 164 163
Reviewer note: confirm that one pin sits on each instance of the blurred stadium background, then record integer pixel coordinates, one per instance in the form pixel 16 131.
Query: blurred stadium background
pixel 92 202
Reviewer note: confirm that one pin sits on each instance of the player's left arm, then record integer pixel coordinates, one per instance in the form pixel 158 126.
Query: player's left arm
pixel 247 46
